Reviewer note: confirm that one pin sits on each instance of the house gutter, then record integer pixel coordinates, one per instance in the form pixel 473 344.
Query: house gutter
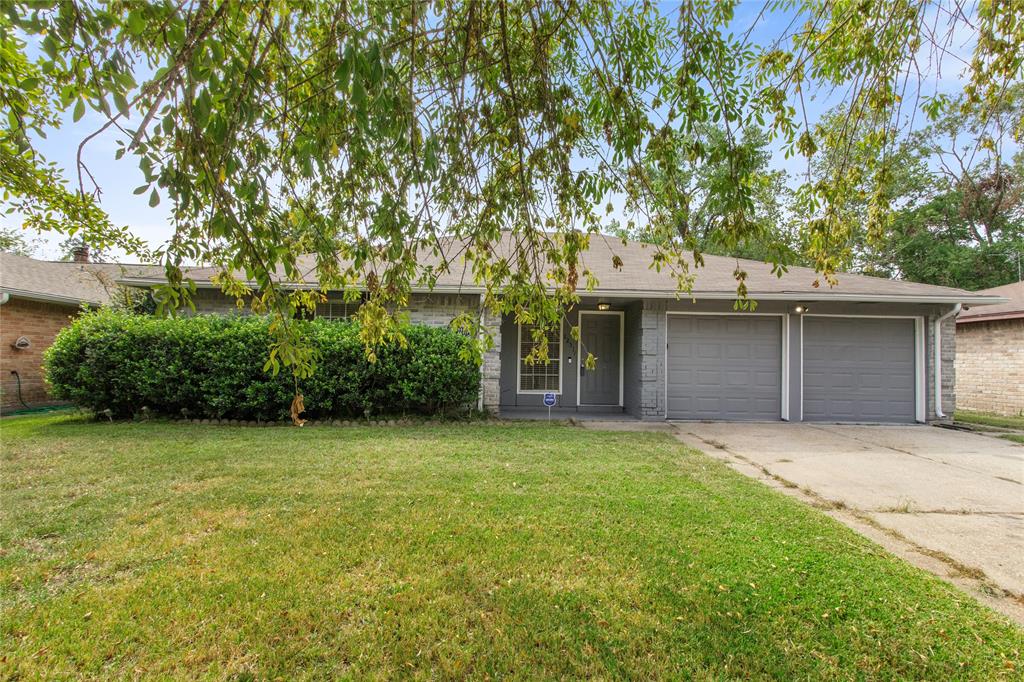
pixel 937 333
pixel 9 293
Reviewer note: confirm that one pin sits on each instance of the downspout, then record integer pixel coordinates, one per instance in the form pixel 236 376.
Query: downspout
pixel 937 345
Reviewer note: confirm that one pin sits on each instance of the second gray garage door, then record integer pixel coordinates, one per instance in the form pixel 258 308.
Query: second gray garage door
pixel 859 369
pixel 724 367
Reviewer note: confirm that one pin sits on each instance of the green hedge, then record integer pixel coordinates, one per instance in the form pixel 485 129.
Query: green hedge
pixel 212 367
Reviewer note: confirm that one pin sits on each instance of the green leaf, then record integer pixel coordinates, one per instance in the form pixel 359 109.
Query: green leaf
pixel 121 103
pixel 141 189
pixel 136 22
pixel 154 199
pixel 79 110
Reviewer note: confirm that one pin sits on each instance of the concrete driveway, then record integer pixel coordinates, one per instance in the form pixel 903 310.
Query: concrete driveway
pixel 957 495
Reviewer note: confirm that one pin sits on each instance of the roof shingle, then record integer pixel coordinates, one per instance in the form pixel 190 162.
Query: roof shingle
pixel 716 279
pixel 64 282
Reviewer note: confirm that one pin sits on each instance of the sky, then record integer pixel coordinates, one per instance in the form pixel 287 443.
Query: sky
pixel 117 178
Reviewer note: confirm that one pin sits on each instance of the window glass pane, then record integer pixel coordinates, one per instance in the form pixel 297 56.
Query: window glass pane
pixel 539 376
pixel 336 309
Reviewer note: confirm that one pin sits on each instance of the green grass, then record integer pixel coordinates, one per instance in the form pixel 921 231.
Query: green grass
pixel 527 551
pixel 986 419
pixel 1013 437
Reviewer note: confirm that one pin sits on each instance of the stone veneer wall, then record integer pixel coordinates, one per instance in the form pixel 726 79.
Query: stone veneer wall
pixel 652 359
pixel 990 366
pixel 949 374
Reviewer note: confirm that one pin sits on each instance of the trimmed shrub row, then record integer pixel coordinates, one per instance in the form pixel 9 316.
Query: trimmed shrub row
pixel 211 367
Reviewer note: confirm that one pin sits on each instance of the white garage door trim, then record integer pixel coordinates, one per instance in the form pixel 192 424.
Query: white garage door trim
pixel 919 359
pixel 784 407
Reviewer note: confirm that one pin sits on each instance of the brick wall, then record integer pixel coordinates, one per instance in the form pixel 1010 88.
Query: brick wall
pixel 437 310
pixel 208 301
pixel 490 372
pixel 652 359
pixel 39 322
pixel 950 382
pixel 990 366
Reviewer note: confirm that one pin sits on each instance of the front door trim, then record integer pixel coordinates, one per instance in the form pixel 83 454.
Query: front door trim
pixel 579 351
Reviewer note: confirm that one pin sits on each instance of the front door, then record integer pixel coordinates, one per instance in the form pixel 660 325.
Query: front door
pixel 601 335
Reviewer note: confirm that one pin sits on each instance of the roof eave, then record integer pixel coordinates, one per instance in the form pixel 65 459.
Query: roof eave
pixel 48 298
pixel 992 317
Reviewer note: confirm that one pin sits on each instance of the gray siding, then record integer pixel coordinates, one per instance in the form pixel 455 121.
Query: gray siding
pixel 510 396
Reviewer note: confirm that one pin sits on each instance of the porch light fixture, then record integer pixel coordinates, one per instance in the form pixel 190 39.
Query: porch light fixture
pixel 800 309
pixel 603 306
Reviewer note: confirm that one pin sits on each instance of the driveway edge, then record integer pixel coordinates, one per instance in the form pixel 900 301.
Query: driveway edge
pixel 971 580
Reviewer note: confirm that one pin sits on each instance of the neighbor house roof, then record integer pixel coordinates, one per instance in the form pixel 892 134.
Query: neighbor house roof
pixel 636 277
pixel 1013 307
pixel 65 282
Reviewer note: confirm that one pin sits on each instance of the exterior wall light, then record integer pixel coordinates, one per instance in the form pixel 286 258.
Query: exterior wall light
pixel 603 306
pixel 800 309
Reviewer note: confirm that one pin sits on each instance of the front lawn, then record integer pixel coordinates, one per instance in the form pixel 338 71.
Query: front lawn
pixel 987 419
pixel 528 551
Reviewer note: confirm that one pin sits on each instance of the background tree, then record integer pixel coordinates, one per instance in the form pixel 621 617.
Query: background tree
pixel 16 240
pixel 969 236
pixel 956 188
pixel 709 187
pixel 384 129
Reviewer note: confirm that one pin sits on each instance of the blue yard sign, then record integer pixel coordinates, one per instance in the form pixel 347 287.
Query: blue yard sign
pixel 549 400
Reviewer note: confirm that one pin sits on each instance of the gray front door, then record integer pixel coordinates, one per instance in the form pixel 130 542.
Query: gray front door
pixel 859 369
pixel 725 367
pixel 600 334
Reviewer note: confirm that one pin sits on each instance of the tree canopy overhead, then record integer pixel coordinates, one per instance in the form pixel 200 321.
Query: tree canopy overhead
pixel 365 132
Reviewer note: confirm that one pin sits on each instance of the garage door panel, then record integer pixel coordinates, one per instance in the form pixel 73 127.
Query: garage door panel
pixel 736 372
pixel 859 369
pixel 709 351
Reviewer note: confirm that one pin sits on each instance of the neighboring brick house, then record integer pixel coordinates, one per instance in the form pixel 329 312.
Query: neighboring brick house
pixel 990 354
pixel 37 299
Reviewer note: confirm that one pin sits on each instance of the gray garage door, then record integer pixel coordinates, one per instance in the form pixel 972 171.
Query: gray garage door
pixel 724 367
pixel 858 369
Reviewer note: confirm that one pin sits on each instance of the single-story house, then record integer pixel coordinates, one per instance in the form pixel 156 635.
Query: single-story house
pixel 990 354
pixel 37 299
pixel 867 350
